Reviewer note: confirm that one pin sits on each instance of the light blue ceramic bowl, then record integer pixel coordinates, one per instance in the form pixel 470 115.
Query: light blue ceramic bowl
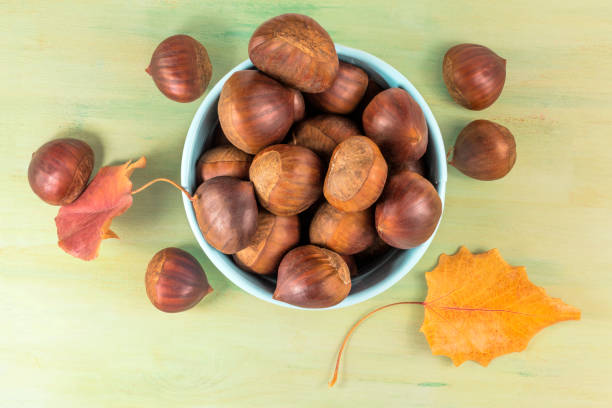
pixel 383 273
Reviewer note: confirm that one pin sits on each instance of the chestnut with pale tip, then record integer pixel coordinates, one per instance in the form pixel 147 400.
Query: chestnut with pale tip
pixel 356 175
pixel 180 68
pixel 287 178
pixel 296 50
pixel 343 232
pixel 275 236
pixel 344 94
pixel 223 161
pixel 226 211
pixel 256 111
pixel 175 281
pixel 395 121
pixel 312 277
pixel 322 133
pixel 484 150
pixel 59 170
pixel 408 211
pixel 474 75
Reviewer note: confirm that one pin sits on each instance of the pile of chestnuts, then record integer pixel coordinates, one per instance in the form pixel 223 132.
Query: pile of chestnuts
pixel 313 168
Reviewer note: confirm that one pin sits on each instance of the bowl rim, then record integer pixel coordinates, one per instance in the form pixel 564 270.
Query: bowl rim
pixel 221 261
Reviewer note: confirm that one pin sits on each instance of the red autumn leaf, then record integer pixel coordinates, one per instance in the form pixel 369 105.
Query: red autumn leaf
pixel 83 224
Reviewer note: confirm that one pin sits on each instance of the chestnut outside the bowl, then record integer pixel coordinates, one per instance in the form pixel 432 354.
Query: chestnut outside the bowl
pixel 381 274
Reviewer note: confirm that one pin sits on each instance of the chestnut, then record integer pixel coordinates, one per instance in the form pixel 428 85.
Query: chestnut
pixel 226 211
pixel 275 236
pixel 312 277
pixel 59 170
pixel 180 68
pixel 343 232
pixel 297 51
pixel 175 281
pixel 322 133
pixel 256 111
pixel 484 150
pixel 223 161
pixel 408 211
pixel 396 123
pixel 287 178
pixel 356 175
pixel 345 93
pixel 474 75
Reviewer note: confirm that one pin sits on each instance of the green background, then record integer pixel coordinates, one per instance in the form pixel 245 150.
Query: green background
pixel 78 334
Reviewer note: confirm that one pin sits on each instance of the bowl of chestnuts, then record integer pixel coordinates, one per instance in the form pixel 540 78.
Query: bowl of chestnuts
pixel 318 171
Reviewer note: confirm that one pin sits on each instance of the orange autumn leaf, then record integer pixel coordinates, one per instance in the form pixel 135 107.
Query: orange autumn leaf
pixel 84 223
pixel 478 307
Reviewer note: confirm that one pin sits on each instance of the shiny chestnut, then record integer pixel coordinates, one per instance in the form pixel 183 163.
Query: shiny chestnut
pixel 175 281
pixel 474 75
pixel 181 68
pixel 297 51
pixel 484 150
pixel 287 178
pixel 395 121
pixel 256 111
pixel 59 170
pixel 312 277
pixel 408 211
pixel 226 211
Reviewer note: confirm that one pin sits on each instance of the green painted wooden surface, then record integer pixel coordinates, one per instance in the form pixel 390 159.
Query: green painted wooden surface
pixel 84 334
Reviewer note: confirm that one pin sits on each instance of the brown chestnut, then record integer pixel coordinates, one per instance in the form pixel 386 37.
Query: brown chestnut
pixel 226 211
pixel 408 211
pixel 175 281
pixel 275 236
pixel 59 170
pixel 181 68
pixel 322 133
pixel 345 93
pixel 223 161
pixel 287 178
pixel 297 51
pixel 256 111
pixel 474 75
pixel 356 175
pixel 312 277
pixel 343 232
pixel 484 150
pixel 395 121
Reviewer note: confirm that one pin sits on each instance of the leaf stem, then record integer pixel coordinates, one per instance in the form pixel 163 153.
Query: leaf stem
pixel 167 181
pixel 348 335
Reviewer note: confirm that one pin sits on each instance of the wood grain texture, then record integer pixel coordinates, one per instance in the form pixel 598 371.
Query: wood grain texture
pixel 84 334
